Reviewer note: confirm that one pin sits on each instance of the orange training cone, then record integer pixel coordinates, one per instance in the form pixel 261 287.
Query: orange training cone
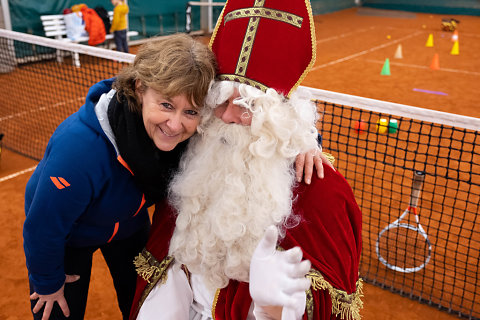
pixel 455 36
pixel 398 52
pixel 435 65
pixel 429 41
pixel 386 68
pixel 455 50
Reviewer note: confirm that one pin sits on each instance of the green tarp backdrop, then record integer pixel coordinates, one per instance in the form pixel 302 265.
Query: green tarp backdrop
pixel 148 17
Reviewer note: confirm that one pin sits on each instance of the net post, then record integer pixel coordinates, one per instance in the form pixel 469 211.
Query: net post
pixel 205 17
pixel 5 10
pixel 188 18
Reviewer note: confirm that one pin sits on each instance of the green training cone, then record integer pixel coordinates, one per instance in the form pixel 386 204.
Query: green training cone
pixel 386 68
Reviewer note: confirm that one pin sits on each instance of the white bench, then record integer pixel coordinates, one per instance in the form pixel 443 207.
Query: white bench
pixel 54 26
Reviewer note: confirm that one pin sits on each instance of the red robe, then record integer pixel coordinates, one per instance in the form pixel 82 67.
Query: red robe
pixel 329 235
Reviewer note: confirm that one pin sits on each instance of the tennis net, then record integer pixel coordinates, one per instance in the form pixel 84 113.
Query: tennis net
pixel 42 84
pixel 380 147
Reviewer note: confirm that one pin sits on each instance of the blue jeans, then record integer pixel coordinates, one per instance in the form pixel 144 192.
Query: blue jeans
pixel 120 38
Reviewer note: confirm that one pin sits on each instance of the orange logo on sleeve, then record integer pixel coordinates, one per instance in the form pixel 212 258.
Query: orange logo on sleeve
pixel 59 182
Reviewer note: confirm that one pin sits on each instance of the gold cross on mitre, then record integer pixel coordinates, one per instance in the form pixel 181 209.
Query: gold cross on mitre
pixel 255 13
pixel 273 39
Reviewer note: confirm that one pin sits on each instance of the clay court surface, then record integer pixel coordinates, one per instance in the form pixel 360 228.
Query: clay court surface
pixel 352 47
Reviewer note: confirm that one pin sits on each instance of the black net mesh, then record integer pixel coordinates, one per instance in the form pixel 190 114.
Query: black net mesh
pixel 40 87
pixel 379 158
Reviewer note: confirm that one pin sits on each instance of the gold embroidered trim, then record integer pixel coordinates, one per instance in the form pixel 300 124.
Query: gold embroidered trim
pixel 314 49
pixel 259 3
pixel 329 157
pixel 214 304
pixel 345 305
pixel 217 26
pixel 245 80
pixel 247 46
pixel 147 266
pixel 255 13
pixel 309 306
pixel 152 271
pixel 272 14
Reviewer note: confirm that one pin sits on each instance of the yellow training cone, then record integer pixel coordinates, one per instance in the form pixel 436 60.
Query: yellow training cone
pixel 455 50
pixel 429 41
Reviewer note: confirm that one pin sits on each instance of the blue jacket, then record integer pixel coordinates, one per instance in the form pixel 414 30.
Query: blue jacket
pixel 79 195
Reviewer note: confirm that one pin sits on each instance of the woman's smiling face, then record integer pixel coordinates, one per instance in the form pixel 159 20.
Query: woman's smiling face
pixel 168 121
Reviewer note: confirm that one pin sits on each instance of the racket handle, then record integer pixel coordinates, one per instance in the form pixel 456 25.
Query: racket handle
pixel 418 178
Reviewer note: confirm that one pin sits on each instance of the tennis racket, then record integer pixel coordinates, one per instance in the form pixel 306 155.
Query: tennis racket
pixel 402 246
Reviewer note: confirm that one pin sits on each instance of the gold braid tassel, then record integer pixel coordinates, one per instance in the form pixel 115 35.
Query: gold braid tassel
pixel 345 305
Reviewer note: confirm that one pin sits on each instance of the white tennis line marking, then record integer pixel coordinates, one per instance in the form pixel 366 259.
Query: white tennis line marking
pixel 361 53
pixel 345 35
pixel 424 67
pixel 16 174
pixel 59 104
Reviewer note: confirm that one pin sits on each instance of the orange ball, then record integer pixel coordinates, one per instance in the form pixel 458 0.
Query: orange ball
pixel 360 126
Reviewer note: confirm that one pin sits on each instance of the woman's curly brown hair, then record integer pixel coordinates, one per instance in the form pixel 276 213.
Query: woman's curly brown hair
pixel 172 66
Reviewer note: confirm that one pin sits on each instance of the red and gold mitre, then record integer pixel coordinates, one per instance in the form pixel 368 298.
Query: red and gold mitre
pixel 265 43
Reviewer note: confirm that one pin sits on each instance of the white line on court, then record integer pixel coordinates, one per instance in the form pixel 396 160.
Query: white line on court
pixel 345 35
pixel 59 104
pixel 361 53
pixel 16 174
pixel 423 67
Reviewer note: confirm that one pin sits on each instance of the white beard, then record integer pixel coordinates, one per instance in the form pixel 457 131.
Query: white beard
pixel 226 195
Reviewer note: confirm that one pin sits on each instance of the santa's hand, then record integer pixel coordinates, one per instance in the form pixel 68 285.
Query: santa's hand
pixel 299 310
pixel 277 278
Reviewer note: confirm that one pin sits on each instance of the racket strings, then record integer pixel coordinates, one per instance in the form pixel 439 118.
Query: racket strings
pixel 404 248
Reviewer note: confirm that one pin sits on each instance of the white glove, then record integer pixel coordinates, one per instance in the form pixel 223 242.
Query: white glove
pixel 277 278
pixel 299 310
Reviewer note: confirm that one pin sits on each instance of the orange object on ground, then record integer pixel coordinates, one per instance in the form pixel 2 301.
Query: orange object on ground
pixel 435 65
pixel 455 36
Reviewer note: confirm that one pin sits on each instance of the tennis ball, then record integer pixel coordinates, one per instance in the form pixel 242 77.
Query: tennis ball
pixel 389 37
pixel 392 126
pixel 382 125
pixel 360 126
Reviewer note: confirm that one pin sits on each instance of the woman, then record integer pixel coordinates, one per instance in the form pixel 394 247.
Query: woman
pixel 103 166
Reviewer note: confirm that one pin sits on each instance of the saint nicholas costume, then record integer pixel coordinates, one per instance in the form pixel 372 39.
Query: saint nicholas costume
pixel 271 44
